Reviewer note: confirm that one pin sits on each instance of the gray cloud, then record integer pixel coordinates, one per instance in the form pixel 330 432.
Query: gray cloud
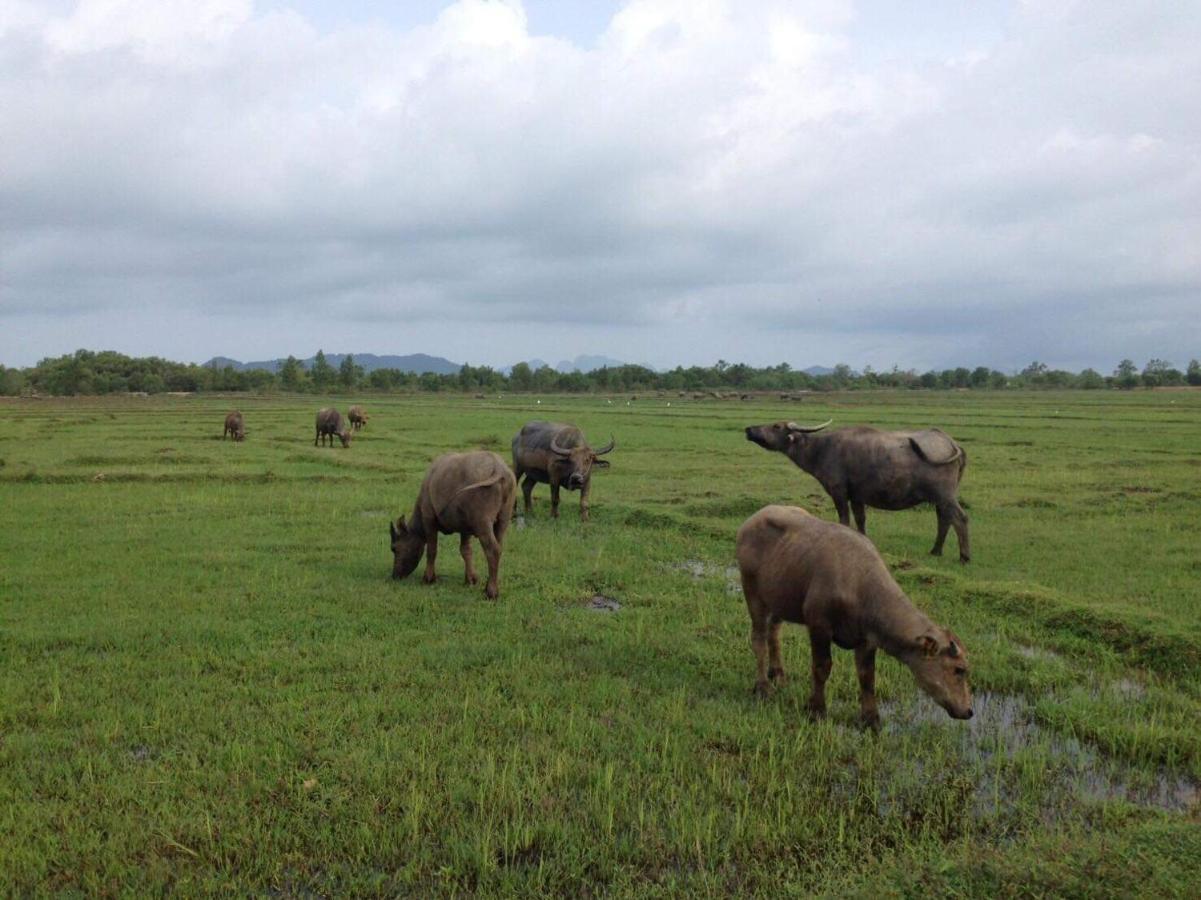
pixel 705 180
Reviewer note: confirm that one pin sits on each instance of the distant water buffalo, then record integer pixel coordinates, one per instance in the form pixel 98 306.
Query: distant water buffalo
pixel 357 417
pixel 234 426
pixel 465 494
pixel 798 568
pixel 882 469
pixel 330 423
pixel 556 454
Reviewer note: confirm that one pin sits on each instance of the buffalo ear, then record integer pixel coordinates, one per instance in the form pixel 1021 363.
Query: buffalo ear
pixel 928 645
pixel 600 463
pixel 953 650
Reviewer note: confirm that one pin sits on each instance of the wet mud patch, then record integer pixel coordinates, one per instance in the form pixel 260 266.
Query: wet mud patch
pixel 601 603
pixel 702 569
pixel 1030 652
pixel 1032 503
pixel 1019 767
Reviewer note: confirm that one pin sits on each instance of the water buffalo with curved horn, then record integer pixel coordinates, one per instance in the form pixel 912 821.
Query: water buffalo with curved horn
pixel 556 454
pixel 861 467
pixel 235 426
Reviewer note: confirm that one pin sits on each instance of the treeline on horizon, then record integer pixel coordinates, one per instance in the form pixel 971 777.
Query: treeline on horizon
pixel 86 372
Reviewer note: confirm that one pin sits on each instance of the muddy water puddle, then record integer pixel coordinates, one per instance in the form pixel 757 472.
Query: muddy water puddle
pixel 1018 764
pixel 601 603
pixel 699 568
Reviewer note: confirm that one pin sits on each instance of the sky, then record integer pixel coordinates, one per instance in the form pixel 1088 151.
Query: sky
pixel 925 185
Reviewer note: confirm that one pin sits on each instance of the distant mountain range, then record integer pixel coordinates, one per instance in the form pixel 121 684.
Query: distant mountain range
pixel 421 363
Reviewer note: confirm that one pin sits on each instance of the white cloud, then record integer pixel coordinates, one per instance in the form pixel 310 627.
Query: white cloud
pixel 708 179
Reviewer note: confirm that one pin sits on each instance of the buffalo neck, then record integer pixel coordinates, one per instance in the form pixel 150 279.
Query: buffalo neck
pixel 808 452
pixel 895 622
pixel 417 524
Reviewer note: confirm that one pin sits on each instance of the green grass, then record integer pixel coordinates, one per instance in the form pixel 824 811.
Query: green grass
pixel 209 682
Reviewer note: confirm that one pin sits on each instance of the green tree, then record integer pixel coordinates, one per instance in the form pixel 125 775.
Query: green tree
pixel 1126 374
pixel 322 372
pixel 1194 372
pixel 349 374
pixel 1090 380
pixel 291 374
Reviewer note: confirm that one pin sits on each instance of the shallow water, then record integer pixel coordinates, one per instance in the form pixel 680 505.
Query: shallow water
pixel 1002 739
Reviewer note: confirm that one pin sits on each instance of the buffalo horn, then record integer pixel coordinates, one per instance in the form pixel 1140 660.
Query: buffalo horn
pixel 605 449
pixel 806 429
pixel 555 448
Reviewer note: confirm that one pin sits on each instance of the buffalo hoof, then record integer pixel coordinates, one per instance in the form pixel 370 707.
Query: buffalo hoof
pixel 761 690
pixel 965 559
pixel 937 551
pixel 491 592
pixel 472 578
pixel 428 578
pixel 870 721
pixel 816 713
pixel 777 676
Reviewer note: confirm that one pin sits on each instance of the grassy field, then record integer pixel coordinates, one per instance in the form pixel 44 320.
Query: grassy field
pixel 210 684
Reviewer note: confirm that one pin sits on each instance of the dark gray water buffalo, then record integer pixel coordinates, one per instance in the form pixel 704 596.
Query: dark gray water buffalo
pixel 235 426
pixel 465 494
pixel 556 454
pixel 882 469
pixel 798 568
pixel 329 424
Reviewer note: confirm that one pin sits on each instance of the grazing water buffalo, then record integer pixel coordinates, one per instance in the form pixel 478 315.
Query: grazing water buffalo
pixel 558 455
pixel 798 568
pixel 357 417
pixel 881 469
pixel 234 426
pixel 330 423
pixel 465 494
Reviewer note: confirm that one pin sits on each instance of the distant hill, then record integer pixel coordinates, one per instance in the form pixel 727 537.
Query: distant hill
pixel 414 362
pixel 582 363
pixel 812 370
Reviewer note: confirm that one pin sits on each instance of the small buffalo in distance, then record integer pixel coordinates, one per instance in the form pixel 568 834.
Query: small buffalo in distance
pixel 556 454
pixel 865 467
pixel 798 568
pixel 469 494
pixel 358 418
pixel 330 423
pixel 235 426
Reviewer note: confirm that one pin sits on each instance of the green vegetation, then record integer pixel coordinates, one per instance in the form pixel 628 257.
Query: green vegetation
pixel 210 685
pixel 87 373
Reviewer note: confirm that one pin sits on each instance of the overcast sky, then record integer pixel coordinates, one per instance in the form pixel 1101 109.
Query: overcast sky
pixel 923 184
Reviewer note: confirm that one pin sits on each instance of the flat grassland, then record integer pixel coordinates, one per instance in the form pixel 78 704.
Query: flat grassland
pixel 210 684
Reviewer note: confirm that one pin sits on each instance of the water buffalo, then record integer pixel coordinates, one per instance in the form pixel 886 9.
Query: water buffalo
pixel 881 469
pixel 558 455
pixel 234 426
pixel 330 423
pixel 465 494
pixel 798 568
pixel 357 417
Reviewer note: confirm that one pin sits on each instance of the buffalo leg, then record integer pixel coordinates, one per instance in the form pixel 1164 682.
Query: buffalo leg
pixel 759 629
pixel 431 554
pixel 554 499
pixel 865 668
pixel 775 671
pixel 584 500
pixel 492 551
pixel 844 514
pixel 819 644
pixel 860 516
pixel 317 438
pixel 527 488
pixel 959 521
pixel 465 552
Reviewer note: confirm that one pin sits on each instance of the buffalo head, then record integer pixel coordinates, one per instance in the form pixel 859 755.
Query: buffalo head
pixel 939 663
pixel 407 548
pixel 575 463
pixel 779 436
pixel 344 436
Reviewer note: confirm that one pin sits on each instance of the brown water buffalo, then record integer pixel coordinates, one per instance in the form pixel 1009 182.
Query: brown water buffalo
pixel 798 568
pixel 234 426
pixel 465 494
pixel 882 469
pixel 330 423
pixel 556 454
pixel 357 417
